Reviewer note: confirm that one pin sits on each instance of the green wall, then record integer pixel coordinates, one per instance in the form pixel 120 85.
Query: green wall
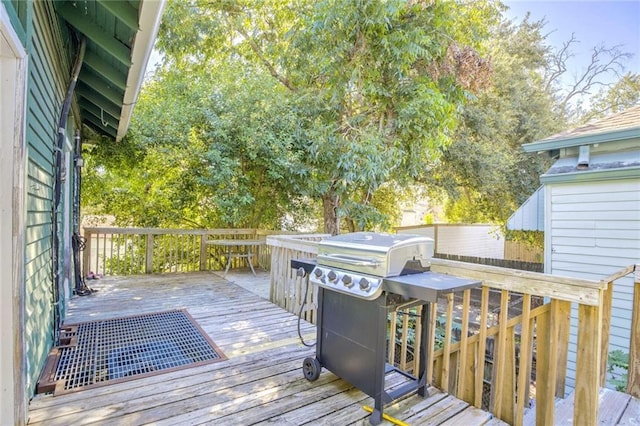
pixel 38 27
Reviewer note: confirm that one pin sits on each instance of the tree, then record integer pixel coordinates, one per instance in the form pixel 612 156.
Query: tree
pixel 207 148
pixel 623 94
pixel 260 107
pixel 376 85
pixel 484 173
pixel 605 62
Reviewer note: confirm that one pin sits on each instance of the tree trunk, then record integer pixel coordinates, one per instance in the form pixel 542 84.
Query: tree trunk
pixel 330 203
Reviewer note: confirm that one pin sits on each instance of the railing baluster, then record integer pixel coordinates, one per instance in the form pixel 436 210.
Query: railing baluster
pixel 482 345
pixel 633 374
pixel 464 372
pixel 393 317
pixel 524 373
pixel 104 254
pixel 431 323
pixel 405 338
pixel 418 342
pixel 500 359
pixel 446 359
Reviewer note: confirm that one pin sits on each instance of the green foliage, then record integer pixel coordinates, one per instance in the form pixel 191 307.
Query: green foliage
pixel 623 94
pixel 618 368
pixel 484 174
pixel 273 113
pixel 531 238
pixel 374 86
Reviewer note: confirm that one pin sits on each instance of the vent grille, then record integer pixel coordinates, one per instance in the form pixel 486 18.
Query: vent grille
pixel 102 352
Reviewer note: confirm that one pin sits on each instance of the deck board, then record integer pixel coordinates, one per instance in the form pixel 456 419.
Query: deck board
pixel 260 382
pixel 615 409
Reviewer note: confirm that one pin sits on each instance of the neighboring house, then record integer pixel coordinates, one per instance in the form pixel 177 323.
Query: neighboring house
pixel 44 46
pixel 589 207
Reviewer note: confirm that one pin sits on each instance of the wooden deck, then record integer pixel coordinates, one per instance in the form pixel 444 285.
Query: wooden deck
pixel 261 382
pixel 616 409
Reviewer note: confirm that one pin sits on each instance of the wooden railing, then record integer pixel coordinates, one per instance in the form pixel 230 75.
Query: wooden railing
pixel 633 372
pixel 126 251
pixel 288 290
pixel 499 347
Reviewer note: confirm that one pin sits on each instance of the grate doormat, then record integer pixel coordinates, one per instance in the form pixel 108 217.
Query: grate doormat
pixel 103 352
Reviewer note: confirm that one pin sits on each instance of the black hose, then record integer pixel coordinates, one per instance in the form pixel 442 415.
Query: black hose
pixel 57 185
pixel 78 242
pixel 304 302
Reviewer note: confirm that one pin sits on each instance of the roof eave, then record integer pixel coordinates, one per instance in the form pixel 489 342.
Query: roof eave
pixel 599 175
pixel 609 136
pixel 150 16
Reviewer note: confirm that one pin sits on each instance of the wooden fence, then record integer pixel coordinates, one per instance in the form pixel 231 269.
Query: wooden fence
pixel 128 251
pixel 503 263
pixel 475 240
pixel 287 289
pixel 506 348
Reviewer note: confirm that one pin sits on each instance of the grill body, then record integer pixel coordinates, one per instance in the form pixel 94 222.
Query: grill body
pixel 352 318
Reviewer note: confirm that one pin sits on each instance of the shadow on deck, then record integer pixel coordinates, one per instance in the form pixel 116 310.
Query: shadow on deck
pixel 261 382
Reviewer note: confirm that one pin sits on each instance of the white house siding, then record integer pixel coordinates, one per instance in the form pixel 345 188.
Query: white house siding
pixel 595 232
pixel 462 240
pixel 470 240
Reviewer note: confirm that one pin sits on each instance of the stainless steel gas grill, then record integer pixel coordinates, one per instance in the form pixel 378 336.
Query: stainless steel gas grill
pixel 361 278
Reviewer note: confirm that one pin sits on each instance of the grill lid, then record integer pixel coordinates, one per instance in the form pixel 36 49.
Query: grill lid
pixel 378 254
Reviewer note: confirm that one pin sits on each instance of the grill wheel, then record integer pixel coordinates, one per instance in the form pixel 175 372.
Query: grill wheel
pixel 311 368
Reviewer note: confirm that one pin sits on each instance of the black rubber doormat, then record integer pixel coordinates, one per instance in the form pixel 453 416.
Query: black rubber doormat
pixel 103 352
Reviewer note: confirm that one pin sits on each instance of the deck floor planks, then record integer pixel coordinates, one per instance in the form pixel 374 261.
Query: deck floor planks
pixel 631 415
pixel 181 378
pixel 261 381
pixel 180 388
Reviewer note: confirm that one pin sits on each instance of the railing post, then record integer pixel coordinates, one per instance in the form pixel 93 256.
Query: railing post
pixel 585 410
pixel 86 254
pixel 633 377
pixel 544 390
pixel 148 264
pixel 203 252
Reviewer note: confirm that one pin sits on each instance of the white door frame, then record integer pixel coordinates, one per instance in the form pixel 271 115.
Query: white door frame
pixel 13 73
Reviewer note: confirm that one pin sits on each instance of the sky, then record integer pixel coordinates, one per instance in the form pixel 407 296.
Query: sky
pixel 594 23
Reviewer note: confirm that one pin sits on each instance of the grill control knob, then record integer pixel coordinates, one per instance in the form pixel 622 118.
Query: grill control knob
pixel 347 281
pixel 332 276
pixel 364 284
pixel 317 272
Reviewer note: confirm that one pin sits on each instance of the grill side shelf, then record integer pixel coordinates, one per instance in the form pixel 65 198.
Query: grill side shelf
pixel 427 286
pixel 306 264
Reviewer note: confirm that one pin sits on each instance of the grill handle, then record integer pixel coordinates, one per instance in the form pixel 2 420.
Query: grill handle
pixel 350 260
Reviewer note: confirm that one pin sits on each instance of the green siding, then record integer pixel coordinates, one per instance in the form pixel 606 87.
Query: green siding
pixel 18 11
pixel 46 88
